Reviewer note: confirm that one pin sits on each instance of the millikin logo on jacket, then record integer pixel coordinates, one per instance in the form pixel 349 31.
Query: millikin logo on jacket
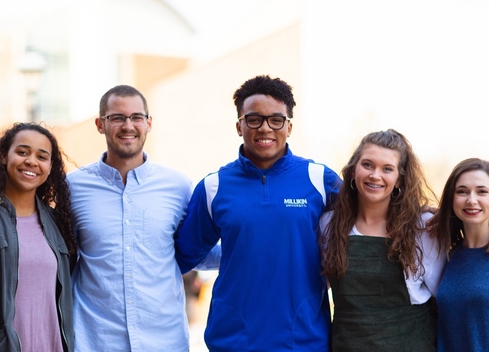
pixel 298 203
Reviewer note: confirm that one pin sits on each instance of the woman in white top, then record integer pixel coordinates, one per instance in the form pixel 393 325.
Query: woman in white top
pixel 382 265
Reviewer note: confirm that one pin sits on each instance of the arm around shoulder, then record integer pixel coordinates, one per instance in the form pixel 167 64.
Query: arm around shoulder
pixel 197 235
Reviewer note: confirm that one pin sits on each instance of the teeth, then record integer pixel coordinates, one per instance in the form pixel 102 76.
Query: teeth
pixel 374 186
pixel 29 173
pixel 265 141
pixel 472 211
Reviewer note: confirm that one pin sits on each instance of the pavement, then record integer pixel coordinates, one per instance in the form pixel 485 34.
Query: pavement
pixel 198 317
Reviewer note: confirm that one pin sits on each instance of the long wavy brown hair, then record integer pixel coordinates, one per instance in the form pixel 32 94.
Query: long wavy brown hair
pixel 445 225
pixel 403 215
pixel 54 192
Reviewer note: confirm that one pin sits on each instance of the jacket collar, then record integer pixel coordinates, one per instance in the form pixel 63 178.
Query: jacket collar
pixel 278 165
pixel 4 202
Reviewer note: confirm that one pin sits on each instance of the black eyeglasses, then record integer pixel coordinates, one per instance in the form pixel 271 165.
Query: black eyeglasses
pixel 119 119
pixel 254 121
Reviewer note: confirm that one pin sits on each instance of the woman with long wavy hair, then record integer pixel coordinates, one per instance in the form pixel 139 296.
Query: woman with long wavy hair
pixel 382 265
pixel 36 243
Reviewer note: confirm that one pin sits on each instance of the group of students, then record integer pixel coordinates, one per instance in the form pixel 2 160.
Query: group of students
pixel 93 261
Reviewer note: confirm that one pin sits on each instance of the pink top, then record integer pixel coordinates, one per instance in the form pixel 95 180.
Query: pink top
pixel 36 318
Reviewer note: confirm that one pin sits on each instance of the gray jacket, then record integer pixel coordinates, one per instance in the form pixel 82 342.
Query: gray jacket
pixel 9 252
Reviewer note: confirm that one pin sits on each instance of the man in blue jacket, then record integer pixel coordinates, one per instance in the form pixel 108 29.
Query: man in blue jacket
pixel 264 207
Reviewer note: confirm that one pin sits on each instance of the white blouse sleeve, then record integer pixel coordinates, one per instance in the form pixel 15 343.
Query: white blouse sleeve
pixel 323 222
pixel 426 285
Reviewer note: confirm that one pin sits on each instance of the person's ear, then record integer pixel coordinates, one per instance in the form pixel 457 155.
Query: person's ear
pixel 238 129
pixel 100 125
pixel 289 129
pixel 150 123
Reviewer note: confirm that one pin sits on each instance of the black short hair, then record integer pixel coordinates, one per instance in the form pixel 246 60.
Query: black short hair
pixel 274 87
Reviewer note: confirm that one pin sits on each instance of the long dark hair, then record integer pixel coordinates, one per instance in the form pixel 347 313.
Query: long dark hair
pixel 403 215
pixel 54 192
pixel 445 224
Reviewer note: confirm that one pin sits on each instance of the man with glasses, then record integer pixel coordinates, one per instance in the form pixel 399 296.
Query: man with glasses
pixel 128 289
pixel 264 207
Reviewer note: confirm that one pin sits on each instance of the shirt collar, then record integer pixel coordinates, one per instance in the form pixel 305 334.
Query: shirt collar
pixel 112 174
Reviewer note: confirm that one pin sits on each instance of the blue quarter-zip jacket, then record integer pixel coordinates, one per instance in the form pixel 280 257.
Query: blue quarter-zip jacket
pixel 269 294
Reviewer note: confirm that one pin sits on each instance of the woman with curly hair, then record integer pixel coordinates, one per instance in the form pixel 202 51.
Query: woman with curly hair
pixel 382 265
pixel 463 223
pixel 36 242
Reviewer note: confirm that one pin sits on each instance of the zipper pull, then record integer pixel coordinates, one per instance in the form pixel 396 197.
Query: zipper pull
pixel 264 179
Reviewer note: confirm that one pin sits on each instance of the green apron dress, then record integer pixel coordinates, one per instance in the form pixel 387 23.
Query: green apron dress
pixel 373 311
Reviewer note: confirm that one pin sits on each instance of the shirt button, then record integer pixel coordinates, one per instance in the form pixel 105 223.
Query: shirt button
pixel 128 248
pixel 127 221
pixel 128 275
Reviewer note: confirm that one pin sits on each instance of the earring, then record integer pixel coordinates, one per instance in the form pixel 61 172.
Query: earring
pixel 353 185
pixel 394 194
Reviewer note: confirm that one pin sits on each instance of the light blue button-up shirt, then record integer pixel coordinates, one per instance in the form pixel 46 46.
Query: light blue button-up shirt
pixel 128 289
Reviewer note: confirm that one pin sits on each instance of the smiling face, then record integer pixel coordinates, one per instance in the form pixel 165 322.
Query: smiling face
pixel 263 146
pixel 376 175
pixel 28 163
pixel 124 141
pixel 471 199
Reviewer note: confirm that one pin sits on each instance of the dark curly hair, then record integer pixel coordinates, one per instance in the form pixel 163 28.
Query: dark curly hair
pixel 54 192
pixel 445 224
pixel 120 91
pixel 403 216
pixel 274 87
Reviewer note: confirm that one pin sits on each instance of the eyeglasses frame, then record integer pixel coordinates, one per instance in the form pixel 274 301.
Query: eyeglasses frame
pixel 263 118
pixel 107 117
